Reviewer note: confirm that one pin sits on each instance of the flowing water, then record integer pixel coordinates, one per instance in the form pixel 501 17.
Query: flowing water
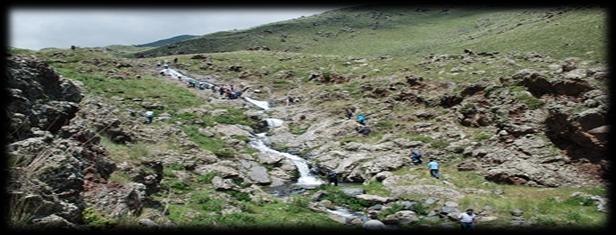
pixel 306 179
pixel 261 104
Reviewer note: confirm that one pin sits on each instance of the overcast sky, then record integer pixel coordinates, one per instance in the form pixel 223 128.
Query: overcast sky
pixel 41 28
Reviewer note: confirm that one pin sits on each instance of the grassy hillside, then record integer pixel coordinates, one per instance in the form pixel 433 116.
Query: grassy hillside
pixel 168 41
pixel 363 31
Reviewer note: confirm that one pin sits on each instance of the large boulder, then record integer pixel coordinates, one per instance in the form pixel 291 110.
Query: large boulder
pixel 401 217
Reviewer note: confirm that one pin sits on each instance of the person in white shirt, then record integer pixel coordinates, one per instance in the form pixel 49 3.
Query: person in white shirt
pixel 467 219
pixel 149 116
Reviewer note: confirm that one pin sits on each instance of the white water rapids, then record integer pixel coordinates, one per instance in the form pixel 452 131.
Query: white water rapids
pixel 261 104
pixel 306 179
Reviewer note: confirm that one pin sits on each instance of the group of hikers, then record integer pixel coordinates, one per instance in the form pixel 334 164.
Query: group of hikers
pixel 466 219
pixel 228 91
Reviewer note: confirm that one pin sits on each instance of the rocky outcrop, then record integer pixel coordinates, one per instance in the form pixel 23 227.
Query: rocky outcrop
pixel 38 98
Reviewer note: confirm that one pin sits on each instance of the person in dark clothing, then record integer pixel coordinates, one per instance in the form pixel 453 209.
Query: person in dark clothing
pixel 175 60
pixel 349 112
pixel 333 178
pixel 363 129
pixel 416 156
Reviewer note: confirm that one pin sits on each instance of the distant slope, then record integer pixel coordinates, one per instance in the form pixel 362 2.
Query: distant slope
pixel 374 31
pixel 168 41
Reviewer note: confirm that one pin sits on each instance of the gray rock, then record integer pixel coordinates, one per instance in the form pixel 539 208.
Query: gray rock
pixel 430 201
pixel 407 205
pixel 382 175
pixel 517 212
pixel 222 184
pixel 373 198
pixel 53 221
pixel 401 217
pixel 352 192
pixel 147 222
pixel 259 174
pixel 374 225
pixel 376 207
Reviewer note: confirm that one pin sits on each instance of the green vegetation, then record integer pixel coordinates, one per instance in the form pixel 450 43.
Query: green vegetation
pixel 297 129
pixel 479 135
pixel 335 195
pixel 147 88
pixel 207 178
pixel 391 210
pixel 526 97
pixel 95 219
pixel 375 188
pixel 362 31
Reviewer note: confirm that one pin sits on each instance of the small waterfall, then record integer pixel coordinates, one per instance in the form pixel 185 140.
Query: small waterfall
pixel 306 179
pixel 273 122
pixel 261 104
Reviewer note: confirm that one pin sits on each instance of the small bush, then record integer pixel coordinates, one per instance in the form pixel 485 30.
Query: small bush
pixel 207 178
pixel 439 144
pixel 579 201
pixel 391 210
pixel 420 209
pixel 224 153
pixel 95 219
pixel 240 196
pixel 179 185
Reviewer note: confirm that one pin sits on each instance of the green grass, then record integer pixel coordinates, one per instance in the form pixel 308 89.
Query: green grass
pixel 297 129
pixel 209 143
pixel 521 94
pixel 147 88
pixel 407 32
pixel 335 195
pixel 207 178
pixel 94 219
pixel 480 135
pixel 376 188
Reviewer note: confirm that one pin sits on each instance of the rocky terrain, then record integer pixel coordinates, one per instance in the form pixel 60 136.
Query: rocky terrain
pixel 521 137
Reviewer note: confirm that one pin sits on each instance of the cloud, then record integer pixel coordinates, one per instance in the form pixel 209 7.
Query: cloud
pixel 41 28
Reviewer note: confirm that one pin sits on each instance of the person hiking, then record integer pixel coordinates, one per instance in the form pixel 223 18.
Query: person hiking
pixel 149 116
pixel 363 129
pixel 433 166
pixel 467 220
pixel 175 60
pixel 192 83
pixel 349 112
pixel 333 178
pixel 361 119
pixel 416 156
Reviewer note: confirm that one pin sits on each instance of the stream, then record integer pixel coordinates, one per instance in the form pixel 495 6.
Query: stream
pixel 306 179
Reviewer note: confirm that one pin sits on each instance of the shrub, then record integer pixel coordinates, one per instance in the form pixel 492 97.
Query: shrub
pixel 240 196
pixel 207 178
pixel 95 219
pixel 391 210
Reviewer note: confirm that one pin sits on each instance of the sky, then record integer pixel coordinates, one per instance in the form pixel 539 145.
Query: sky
pixel 41 28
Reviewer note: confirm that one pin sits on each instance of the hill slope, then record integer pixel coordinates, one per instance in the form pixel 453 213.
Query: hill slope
pixel 168 41
pixel 375 31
